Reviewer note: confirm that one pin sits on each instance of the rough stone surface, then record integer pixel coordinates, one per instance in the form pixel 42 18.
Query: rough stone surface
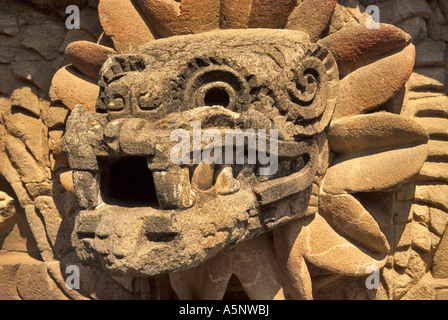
pixel 347 13
pixel 7 209
pixel 132 129
pixel 25 97
pixel 170 18
pixel 39 72
pixel 428 79
pixel 437 27
pixel 25 278
pixel 53 36
pixel 7 79
pixel 438 220
pixel 311 17
pixel 434 194
pixel 430 54
pixel 440 268
pixel 67 181
pixel 364 186
pixel 398 11
pixel 54 4
pixel 124 24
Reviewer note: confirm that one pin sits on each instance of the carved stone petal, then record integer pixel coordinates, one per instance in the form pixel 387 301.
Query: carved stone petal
pixel 312 17
pixel 171 17
pixel 328 250
pixel 88 57
pixel 66 179
pixel 241 14
pixel 290 246
pixel 25 164
pixel 123 23
pixel 208 281
pixel 235 14
pixel 39 233
pixel 52 220
pixel 373 172
pixel 314 239
pixel 367 88
pixel 253 262
pixel 257 269
pixel 73 88
pixel 356 46
pixel 374 131
pixel 349 217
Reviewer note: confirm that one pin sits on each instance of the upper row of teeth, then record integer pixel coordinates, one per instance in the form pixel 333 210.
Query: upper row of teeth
pixel 174 188
pixel 185 191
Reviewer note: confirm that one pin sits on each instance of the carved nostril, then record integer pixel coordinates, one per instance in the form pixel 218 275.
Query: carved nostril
pixel 161 236
pixel 86 235
pixel 102 236
pixel 160 229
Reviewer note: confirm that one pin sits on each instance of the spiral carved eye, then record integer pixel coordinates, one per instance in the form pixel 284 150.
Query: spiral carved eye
pixel 217 85
pixel 310 82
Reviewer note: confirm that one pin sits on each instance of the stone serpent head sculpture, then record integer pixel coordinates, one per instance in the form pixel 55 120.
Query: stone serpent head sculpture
pixel 312 109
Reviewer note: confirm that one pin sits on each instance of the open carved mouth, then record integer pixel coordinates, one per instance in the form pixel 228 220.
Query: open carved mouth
pixel 184 213
pixel 128 181
pixel 279 74
pixel 145 213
